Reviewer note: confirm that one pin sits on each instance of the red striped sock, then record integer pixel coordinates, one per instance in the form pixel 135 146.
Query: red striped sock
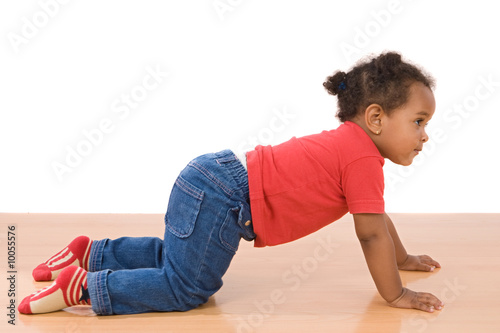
pixel 70 288
pixel 76 253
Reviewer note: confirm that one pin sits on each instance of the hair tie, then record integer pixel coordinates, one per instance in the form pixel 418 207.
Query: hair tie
pixel 342 85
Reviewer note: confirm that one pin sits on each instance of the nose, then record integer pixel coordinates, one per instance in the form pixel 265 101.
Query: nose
pixel 425 137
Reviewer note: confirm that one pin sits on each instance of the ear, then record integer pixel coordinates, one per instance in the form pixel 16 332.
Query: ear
pixel 373 118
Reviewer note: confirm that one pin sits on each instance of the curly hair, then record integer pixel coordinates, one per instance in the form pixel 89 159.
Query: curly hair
pixel 384 80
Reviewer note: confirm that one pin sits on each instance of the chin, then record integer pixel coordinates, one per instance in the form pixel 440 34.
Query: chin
pixel 403 163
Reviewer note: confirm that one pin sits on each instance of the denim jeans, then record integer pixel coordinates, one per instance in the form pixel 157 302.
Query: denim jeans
pixel 208 213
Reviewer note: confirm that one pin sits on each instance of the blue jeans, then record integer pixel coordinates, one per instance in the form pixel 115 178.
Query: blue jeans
pixel 208 213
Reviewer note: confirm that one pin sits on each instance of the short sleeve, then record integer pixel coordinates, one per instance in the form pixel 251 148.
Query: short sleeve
pixel 363 185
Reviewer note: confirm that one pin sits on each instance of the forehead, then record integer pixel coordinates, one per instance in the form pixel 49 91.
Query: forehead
pixel 421 101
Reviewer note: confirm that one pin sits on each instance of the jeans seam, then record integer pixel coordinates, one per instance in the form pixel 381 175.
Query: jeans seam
pixel 201 265
pixel 210 176
pixel 225 244
pixel 96 255
pixel 182 184
pixel 99 295
pixel 101 304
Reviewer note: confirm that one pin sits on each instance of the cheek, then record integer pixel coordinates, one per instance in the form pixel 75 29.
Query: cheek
pixel 403 143
pixel 401 139
pixel 410 137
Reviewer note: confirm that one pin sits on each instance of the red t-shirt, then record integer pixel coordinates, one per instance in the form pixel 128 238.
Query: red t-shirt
pixel 304 184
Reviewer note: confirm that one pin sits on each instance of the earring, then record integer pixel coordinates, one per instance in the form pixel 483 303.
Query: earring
pixel 378 132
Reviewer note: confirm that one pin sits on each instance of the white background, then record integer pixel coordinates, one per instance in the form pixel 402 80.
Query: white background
pixel 233 66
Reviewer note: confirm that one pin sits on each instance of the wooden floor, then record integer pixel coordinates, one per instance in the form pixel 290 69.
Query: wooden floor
pixel 317 284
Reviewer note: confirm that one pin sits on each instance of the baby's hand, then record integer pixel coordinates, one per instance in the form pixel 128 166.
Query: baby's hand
pixel 419 263
pixel 410 299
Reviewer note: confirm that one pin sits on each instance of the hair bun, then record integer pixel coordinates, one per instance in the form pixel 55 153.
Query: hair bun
pixel 388 64
pixel 336 83
pixel 392 58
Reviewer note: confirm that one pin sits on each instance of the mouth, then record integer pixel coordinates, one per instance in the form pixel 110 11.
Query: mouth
pixel 416 151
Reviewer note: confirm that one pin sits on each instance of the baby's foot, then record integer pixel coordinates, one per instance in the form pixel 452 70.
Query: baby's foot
pixel 70 288
pixel 76 253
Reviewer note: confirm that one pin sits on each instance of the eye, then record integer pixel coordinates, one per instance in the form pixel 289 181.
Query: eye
pixel 419 122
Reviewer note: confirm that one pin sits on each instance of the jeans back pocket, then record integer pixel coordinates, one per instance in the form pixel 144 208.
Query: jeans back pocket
pixel 183 208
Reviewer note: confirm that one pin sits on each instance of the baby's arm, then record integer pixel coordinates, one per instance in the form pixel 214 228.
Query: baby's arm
pixel 407 261
pixel 401 254
pixel 380 250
